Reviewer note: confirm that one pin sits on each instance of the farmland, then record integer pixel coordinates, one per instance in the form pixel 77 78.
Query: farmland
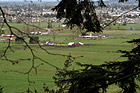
pixel 94 52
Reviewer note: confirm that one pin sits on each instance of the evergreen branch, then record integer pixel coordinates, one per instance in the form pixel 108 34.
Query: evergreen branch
pixel 115 81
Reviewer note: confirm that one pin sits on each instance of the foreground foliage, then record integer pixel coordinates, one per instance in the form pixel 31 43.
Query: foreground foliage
pixel 93 78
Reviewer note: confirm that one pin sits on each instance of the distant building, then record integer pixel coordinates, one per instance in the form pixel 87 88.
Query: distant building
pixel 93 36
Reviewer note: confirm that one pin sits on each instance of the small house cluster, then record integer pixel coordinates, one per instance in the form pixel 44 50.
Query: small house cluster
pixel 6 35
pixel 72 44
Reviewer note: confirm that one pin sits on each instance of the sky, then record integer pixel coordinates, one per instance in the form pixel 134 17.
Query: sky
pixel 34 0
pixel 27 0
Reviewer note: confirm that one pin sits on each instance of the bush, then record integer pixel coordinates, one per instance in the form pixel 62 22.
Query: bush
pixel 34 40
pixel 19 40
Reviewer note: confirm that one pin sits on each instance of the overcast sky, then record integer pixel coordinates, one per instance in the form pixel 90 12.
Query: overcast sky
pixel 34 0
pixel 27 0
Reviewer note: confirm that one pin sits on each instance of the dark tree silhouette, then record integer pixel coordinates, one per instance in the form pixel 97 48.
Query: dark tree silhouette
pixel 96 78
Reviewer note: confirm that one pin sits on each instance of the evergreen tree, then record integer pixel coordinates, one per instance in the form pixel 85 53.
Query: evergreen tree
pixel 95 78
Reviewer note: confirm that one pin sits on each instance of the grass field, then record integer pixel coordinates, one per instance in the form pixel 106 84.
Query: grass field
pixel 124 27
pixel 94 52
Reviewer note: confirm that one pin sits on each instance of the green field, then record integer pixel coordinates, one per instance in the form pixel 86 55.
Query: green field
pixel 94 52
pixel 124 27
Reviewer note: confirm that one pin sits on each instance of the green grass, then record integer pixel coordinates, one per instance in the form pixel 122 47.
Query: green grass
pixel 94 52
pixel 92 55
pixel 124 27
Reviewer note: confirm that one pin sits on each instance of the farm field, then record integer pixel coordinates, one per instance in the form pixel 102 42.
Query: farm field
pixel 124 27
pixel 94 52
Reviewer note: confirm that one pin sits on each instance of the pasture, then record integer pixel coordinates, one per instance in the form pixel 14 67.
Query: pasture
pixel 94 52
pixel 124 27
